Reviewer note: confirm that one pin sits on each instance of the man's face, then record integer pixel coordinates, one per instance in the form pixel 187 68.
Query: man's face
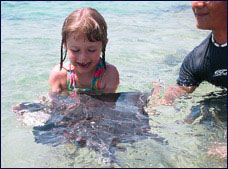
pixel 211 15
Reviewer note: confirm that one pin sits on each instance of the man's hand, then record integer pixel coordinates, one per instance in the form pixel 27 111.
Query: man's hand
pixel 172 92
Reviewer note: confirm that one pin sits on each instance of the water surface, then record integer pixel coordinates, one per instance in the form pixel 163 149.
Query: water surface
pixel 147 41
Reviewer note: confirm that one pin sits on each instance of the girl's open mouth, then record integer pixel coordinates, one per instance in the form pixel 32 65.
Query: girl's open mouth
pixel 84 65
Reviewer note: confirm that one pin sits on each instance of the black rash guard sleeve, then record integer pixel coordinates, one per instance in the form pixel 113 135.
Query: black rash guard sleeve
pixel 187 74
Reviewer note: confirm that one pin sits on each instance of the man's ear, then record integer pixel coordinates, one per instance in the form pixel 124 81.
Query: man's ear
pixel 107 41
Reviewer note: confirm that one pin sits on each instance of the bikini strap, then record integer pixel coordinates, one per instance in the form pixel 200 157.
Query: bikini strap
pixel 70 78
pixel 96 83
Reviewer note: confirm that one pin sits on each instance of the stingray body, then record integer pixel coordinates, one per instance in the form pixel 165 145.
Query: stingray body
pixel 98 122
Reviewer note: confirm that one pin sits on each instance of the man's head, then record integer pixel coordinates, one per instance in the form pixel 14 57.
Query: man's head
pixel 211 15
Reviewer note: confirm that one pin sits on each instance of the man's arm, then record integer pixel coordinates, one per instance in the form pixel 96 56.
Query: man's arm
pixel 172 92
pixel 176 91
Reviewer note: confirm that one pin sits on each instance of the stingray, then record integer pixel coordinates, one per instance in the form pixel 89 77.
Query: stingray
pixel 99 122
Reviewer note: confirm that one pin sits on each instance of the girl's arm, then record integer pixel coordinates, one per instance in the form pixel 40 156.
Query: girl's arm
pixel 57 79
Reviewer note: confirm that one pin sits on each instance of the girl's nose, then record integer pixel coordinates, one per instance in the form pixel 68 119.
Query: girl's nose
pixel 82 56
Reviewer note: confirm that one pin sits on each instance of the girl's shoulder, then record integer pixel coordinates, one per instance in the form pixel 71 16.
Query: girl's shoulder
pixel 66 67
pixel 110 73
pixel 57 73
pixel 111 69
pixel 110 78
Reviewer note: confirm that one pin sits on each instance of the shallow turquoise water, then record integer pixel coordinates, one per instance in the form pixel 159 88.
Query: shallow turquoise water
pixel 147 41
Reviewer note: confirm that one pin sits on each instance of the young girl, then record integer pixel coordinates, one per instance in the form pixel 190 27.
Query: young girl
pixel 84 38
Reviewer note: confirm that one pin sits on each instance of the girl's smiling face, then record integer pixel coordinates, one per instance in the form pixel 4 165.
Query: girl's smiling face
pixel 83 54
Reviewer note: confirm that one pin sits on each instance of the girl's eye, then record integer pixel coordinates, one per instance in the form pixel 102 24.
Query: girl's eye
pixel 76 50
pixel 92 50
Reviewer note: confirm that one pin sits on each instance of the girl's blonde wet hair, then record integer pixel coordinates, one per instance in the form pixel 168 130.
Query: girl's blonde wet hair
pixel 87 22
